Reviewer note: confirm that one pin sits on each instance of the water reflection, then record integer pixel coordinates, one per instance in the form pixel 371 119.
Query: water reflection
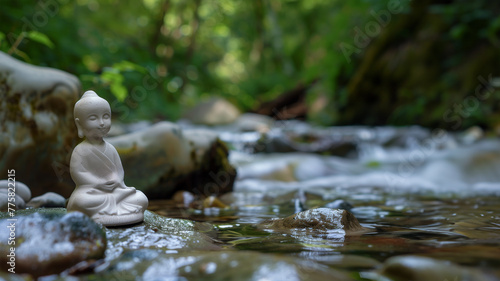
pixel 419 192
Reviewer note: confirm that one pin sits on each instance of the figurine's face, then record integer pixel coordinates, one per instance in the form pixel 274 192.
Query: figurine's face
pixel 96 122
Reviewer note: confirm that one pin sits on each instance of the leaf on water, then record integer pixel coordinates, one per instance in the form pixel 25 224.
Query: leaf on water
pixel 373 164
pixel 40 38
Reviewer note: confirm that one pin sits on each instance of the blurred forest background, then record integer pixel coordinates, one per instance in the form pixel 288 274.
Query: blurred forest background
pixel 371 62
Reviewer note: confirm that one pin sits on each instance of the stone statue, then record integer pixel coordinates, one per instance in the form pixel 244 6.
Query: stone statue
pixel 97 170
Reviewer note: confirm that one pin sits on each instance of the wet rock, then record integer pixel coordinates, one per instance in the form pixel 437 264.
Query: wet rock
pixel 48 200
pixel 316 220
pixel 22 194
pixel 183 198
pixel 313 167
pixel 154 265
pixel 251 122
pixel 213 202
pixel 157 232
pixel 341 261
pixel 48 241
pixel 279 169
pixel 37 130
pixel 475 163
pixel 471 135
pixel 163 159
pixel 294 136
pixel 15 277
pixel 215 111
pixel 119 128
pixel 340 204
pixel 417 268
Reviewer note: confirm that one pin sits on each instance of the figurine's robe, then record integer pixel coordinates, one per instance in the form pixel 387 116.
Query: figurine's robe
pixel 91 169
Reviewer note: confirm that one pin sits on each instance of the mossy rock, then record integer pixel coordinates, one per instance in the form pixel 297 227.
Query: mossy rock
pixel 48 241
pixel 37 131
pixel 164 158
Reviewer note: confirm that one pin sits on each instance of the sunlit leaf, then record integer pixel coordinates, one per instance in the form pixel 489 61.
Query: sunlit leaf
pixel 128 66
pixel 119 91
pixel 40 38
pixel 114 79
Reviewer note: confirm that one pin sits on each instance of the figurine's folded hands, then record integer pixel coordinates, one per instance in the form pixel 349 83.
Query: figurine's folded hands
pixel 108 186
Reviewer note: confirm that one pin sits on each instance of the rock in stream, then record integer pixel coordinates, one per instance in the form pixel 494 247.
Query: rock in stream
pixel 37 131
pixel 47 241
pixel 224 265
pixel 163 158
pixel 318 220
pixel 418 268
pixel 161 233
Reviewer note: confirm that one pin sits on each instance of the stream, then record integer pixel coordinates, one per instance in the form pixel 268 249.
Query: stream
pixel 417 192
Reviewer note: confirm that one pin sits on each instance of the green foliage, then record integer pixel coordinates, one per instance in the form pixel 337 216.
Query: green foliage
pixel 152 58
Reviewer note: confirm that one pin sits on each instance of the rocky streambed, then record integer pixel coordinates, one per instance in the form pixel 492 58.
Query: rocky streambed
pixel 395 204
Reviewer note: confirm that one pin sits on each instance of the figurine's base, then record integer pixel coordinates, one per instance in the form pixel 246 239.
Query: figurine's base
pixel 117 220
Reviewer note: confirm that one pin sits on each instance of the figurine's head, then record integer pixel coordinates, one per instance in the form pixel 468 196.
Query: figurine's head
pixel 92 116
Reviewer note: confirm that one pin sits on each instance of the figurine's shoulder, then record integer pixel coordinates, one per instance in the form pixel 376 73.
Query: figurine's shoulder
pixel 81 145
pixel 110 147
pixel 82 148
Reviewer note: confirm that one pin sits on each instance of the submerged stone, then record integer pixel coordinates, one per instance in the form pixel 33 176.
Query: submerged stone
pixel 417 268
pixel 48 241
pixel 155 265
pixel 316 220
pixel 158 232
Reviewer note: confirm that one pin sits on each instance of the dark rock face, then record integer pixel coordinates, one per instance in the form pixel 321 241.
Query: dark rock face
pixel 50 241
pixel 37 131
pixel 163 159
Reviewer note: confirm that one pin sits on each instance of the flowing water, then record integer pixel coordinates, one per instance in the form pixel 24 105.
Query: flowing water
pixel 418 192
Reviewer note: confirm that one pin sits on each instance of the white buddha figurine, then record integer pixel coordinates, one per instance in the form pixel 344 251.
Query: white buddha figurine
pixel 97 170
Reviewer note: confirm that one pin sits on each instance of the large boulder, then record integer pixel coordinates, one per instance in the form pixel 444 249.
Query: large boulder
pixel 163 158
pixel 37 131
